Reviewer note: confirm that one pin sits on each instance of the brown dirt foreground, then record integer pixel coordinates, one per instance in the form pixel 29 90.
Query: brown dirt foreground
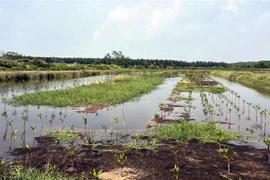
pixel 196 161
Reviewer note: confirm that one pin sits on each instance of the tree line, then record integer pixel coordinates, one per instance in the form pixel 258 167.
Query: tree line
pixel 119 59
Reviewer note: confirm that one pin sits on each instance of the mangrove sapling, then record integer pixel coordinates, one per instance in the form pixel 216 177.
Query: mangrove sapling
pixel 230 114
pixel 249 104
pixel 267 142
pixel 51 123
pixel 85 121
pixel 10 123
pixel 90 138
pixel 228 155
pixel 161 106
pixel 96 174
pixel 136 137
pixel 14 134
pixel 256 107
pixel 116 121
pixel 123 119
pixel 29 148
pixel 62 123
pixel 104 127
pixel 33 129
pixel 243 110
pixel 176 169
pixel 121 158
pixel 238 97
pixel 2 165
pixel 226 118
pixel 239 119
pixel 265 113
pixel 71 150
pixel 72 128
pixel 249 131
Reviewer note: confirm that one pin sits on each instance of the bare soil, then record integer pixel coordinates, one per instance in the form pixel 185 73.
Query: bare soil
pixel 196 161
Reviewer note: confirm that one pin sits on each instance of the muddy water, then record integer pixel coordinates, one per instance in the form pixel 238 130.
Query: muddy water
pixel 136 114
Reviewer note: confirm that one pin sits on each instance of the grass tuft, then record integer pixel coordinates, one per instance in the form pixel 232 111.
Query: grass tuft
pixel 186 131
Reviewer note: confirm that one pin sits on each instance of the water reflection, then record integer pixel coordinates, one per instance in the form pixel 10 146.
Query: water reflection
pixel 132 115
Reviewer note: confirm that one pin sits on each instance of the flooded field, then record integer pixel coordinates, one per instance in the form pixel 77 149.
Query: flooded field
pixel 239 109
pixel 19 124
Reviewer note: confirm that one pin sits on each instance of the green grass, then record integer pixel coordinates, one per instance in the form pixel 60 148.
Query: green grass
pixel 105 93
pixel 255 80
pixel 180 98
pixel 19 172
pixel 65 136
pixel 185 131
pixel 189 87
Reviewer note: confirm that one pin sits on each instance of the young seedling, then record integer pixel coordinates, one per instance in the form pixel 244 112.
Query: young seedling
pixel 72 128
pixel 251 131
pixel 121 158
pixel 267 142
pixel 90 138
pixel 136 137
pixel 14 134
pixel 52 170
pixel 28 147
pixel 33 129
pixel 96 174
pixel 51 123
pixel 40 116
pixel 175 171
pixel 85 121
pixel 104 127
pixel 228 155
pixel 71 149
pixel 116 121
pixel 2 165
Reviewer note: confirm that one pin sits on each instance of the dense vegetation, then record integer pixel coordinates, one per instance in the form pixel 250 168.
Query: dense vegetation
pixel 15 61
pixel 256 80
pixel 121 89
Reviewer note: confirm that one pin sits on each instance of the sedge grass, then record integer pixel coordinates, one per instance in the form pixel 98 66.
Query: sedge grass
pixel 186 131
pixel 106 93
pixel 255 80
pixel 190 87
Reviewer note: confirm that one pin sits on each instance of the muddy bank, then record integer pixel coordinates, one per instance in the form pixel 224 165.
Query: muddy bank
pixel 196 160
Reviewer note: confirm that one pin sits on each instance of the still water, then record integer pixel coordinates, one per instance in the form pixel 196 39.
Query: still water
pixel 136 114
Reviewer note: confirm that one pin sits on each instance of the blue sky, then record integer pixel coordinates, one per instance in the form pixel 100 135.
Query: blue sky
pixel 228 31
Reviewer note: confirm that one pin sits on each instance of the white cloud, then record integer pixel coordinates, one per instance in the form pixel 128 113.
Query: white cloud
pixel 264 16
pixel 243 30
pixel 96 34
pixel 143 21
pixel 231 6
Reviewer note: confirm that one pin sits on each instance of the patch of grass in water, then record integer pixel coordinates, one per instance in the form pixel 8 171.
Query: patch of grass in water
pixel 186 131
pixel 105 93
pixel 64 136
pixel 189 87
pixel 179 98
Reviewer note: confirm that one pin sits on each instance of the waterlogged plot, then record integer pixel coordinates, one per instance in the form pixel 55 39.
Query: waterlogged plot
pixel 83 145
pixel 20 124
pixel 201 99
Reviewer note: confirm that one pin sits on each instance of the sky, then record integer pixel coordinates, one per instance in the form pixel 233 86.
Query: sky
pixel 194 30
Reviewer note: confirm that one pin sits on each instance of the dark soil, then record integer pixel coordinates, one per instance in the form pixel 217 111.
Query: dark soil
pixel 196 160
